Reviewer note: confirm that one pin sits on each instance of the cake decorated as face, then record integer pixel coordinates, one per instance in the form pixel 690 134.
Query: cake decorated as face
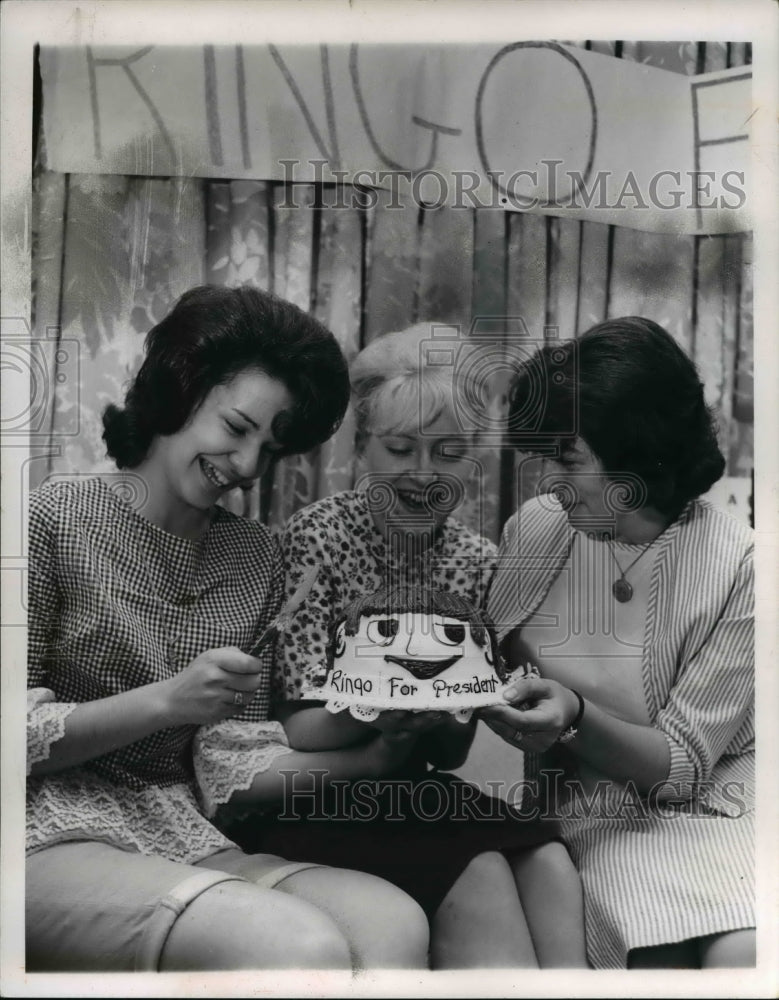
pixel 413 649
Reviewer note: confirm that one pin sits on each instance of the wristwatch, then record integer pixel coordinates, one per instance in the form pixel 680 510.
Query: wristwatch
pixel 568 734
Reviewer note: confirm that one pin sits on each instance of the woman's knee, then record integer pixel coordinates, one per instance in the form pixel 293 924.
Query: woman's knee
pixel 480 922
pixel 488 869
pixel 485 886
pixel 385 927
pixel 238 926
pixel 732 950
pixel 551 857
pixel 403 928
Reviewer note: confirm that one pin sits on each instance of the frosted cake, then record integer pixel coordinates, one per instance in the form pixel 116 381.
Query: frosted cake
pixel 412 649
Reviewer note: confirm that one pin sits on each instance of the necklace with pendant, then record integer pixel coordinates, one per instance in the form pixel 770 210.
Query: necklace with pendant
pixel 621 588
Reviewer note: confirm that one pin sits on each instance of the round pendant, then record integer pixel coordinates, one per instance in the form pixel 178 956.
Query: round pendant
pixel 622 590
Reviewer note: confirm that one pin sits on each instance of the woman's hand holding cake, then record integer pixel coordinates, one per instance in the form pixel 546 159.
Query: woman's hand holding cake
pixel 538 712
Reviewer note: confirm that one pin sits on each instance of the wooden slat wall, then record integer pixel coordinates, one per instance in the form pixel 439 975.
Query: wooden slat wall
pixel 393 270
pixel 367 272
pixel 293 258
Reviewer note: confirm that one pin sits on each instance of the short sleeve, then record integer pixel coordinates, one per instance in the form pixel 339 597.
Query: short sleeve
pixel 301 654
pixel 43 594
pixel 45 716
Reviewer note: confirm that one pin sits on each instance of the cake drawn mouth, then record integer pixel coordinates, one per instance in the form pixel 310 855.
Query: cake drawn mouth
pixel 423 669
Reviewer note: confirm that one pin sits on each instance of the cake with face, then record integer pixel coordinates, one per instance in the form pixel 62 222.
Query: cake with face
pixel 413 649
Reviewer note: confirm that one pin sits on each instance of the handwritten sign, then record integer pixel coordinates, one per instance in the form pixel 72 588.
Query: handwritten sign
pixel 525 126
pixel 390 687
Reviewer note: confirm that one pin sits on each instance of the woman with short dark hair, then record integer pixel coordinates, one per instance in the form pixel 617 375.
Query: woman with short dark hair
pixel 630 392
pixel 634 599
pixel 144 618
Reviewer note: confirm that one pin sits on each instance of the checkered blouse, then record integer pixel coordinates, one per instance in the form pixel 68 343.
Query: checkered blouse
pixel 115 602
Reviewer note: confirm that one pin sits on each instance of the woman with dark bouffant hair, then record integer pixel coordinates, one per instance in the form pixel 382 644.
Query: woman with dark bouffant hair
pixel 148 694
pixel 634 599
pixel 212 335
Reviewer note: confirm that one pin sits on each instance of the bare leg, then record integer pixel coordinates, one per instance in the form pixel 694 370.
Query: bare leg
pixel 385 928
pixel 680 955
pixel 238 926
pixel 733 950
pixel 480 923
pixel 94 908
pixel 552 898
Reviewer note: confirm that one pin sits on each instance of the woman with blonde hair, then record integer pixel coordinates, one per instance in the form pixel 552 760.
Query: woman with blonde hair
pixel 417 416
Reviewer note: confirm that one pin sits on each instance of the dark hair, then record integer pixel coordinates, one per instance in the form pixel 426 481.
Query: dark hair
pixel 628 389
pixel 210 336
pixel 426 601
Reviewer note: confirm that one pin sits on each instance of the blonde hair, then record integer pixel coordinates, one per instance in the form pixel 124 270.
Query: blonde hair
pixel 416 374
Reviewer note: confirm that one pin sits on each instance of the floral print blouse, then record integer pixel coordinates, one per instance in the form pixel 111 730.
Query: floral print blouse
pixel 338 533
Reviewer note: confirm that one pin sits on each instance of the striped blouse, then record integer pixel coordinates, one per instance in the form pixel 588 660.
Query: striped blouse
pixel 682 867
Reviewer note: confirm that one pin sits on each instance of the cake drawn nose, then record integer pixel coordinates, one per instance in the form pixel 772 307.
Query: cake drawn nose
pixel 423 670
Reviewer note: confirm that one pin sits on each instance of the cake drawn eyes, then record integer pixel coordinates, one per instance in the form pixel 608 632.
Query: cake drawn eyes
pixel 449 632
pixel 382 631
